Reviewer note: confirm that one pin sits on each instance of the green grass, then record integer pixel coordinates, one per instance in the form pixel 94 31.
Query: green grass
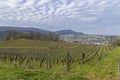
pixel 11 73
pixel 106 69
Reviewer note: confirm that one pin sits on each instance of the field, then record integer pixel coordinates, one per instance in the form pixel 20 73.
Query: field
pixel 47 60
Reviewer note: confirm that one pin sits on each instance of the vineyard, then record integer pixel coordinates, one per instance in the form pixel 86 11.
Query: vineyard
pixel 50 57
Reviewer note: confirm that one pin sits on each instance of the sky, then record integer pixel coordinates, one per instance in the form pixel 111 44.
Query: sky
pixel 88 16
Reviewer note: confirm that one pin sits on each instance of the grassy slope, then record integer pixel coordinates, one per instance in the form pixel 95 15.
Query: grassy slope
pixel 106 69
pixel 33 44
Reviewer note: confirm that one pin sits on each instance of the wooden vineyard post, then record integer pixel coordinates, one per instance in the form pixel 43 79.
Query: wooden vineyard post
pixel 99 57
pixel 68 61
pixel 47 61
pixel 119 68
pixel 28 61
pixel 83 56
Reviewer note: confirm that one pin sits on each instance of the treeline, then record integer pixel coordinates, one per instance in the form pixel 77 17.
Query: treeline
pixel 117 42
pixel 32 35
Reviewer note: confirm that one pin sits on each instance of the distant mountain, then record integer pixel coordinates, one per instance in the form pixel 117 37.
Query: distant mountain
pixel 64 32
pixel 4 30
pixel 22 29
pixel 64 35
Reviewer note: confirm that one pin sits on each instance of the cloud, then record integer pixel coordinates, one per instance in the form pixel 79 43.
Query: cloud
pixel 42 2
pixel 52 8
pixel 97 12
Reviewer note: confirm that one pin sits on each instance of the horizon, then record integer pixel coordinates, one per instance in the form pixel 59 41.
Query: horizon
pixel 87 16
pixel 59 30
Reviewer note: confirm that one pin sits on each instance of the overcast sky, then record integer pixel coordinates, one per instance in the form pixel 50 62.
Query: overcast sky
pixel 88 16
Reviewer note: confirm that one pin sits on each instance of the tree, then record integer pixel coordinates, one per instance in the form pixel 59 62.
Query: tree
pixel 13 34
pixel 53 37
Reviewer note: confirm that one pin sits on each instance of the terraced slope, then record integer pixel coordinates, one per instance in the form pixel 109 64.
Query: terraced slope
pixel 44 60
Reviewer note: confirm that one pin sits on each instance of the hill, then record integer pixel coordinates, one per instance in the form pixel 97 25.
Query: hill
pixel 22 29
pixel 63 35
pixel 5 29
pixel 64 32
pixel 8 33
